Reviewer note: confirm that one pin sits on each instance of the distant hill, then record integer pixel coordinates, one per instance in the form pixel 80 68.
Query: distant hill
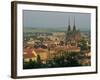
pixel 30 29
pixel 59 29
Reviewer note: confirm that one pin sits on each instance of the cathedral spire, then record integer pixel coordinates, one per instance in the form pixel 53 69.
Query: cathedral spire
pixel 74 27
pixel 69 27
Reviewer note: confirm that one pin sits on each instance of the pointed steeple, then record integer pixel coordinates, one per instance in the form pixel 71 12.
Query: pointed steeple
pixel 74 27
pixel 69 27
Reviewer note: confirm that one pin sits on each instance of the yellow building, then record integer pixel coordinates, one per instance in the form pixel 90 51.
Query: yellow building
pixel 43 53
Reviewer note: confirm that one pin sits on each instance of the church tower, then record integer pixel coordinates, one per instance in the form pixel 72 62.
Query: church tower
pixel 69 27
pixel 74 27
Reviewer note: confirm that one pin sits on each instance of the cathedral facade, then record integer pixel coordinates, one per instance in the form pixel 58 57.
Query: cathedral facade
pixel 72 35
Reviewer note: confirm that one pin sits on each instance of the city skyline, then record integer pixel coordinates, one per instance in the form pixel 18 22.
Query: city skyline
pixel 55 39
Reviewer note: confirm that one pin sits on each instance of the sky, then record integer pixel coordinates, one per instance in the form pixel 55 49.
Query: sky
pixel 51 19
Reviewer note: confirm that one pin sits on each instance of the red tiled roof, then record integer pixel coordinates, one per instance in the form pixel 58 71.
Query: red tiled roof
pixel 28 50
pixel 40 50
pixel 68 47
pixel 28 53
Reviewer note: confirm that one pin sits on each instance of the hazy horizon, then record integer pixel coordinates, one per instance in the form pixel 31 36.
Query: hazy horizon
pixel 51 19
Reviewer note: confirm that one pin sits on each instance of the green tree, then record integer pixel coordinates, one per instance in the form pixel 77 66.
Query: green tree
pixel 38 59
pixel 83 44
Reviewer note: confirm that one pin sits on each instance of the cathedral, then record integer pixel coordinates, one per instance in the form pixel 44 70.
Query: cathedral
pixel 72 35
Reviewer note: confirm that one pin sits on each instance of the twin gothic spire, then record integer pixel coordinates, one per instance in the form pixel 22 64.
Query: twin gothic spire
pixel 69 26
